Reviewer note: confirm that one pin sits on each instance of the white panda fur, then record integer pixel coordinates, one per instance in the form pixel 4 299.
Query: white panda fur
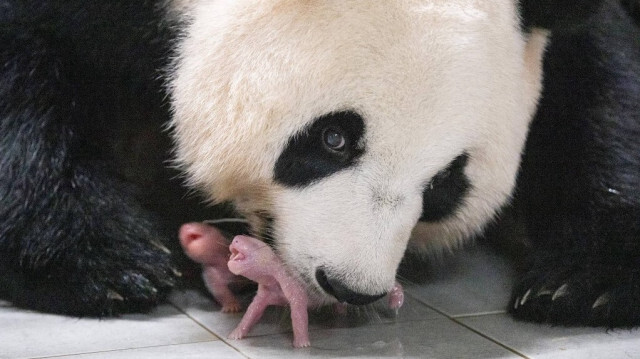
pixel 250 75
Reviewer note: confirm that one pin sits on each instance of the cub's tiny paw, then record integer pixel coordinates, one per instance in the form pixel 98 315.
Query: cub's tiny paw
pixel 236 334
pixel 301 343
pixel 232 308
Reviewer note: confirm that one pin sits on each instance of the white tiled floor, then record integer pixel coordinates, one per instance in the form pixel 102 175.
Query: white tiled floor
pixel 457 314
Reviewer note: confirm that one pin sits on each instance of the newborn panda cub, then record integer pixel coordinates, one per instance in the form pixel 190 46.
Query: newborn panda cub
pixel 253 259
pixel 205 244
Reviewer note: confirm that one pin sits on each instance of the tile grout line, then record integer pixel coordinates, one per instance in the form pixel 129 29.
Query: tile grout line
pixel 481 314
pixel 455 320
pixel 117 350
pixel 489 338
pixel 224 340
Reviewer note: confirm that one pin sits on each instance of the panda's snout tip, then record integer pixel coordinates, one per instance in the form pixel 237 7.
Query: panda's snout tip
pixel 341 292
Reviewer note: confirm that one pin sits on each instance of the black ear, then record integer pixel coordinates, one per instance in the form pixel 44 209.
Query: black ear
pixel 552 14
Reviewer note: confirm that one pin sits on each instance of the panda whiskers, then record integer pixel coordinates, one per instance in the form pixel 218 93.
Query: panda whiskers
pixel 262 228
pixel 368 313
pixel 225 220
pixel 405 280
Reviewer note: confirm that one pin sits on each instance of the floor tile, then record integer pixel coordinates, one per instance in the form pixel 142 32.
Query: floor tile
pixel 277 319
pixel 375 314
pixel 538 341
pixel 475 281
pixel 27 334
pixel 207 312
pixel 438 338
pixel 205 350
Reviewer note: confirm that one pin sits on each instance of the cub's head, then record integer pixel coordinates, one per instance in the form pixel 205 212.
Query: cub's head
pixel 343 128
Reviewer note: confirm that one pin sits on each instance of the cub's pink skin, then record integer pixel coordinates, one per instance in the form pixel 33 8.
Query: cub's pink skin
pixel 255 260
pixel 206 245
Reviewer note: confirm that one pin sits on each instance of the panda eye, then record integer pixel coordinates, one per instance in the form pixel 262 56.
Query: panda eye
pixel 331 143
pixel 334 139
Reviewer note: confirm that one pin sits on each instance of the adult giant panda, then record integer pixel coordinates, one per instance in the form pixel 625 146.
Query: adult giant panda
pixel 347 132
pixel 336 126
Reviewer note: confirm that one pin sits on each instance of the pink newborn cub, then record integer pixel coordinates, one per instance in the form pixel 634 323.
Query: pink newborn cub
pixel 256 261
pixel 205 244
pixel 250 258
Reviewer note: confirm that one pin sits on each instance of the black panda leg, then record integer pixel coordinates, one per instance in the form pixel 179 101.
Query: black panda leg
pixel 72 238
pixel 580 179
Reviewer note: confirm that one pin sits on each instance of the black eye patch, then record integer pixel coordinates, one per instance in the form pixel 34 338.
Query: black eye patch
pixel 330 144
pixel 446 191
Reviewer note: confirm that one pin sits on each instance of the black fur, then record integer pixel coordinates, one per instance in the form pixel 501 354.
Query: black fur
pixel 306 159
pixel 633 8
pixel 81 109
pixel 553 14
pixel 580 179
pixel 446 191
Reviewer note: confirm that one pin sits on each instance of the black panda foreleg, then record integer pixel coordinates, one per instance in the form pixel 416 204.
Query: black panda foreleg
pixel 580 180
pixel 72 239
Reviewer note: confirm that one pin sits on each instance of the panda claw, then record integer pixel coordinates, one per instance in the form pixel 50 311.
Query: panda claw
pixel 516 303
pixel 113 295
pixel 543 291
pixel 602 300
pixel 560 292
pixel 525 297
pixel 160 246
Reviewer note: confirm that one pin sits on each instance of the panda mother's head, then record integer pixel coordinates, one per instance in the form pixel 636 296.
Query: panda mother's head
pixel 336 126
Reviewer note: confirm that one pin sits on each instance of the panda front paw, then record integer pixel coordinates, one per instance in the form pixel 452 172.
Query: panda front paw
pixel 99 277
pixel 128 280
pixel 573 293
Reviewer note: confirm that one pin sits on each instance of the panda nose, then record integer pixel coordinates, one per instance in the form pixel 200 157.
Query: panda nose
pixel 341 292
